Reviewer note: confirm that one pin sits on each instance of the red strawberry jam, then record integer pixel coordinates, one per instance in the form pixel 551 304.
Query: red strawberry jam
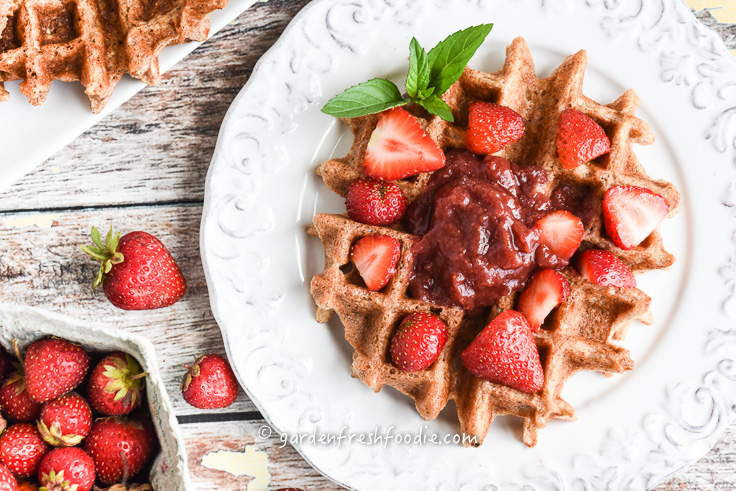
pixel 476 218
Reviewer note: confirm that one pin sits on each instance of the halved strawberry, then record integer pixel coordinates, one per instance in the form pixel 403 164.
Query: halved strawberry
pixel 579 139
pixel 491 127
pixel 418 341
pixel 605 269
pixel 399 148
pixel 546 290
pixel 376 256
pixel 631 213
pixel 505 353
pixel 561 233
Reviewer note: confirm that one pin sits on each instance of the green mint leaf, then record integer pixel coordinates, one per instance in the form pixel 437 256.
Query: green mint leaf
pixel 450 57
pixel 419 70
pixel 424 94
pixel 437 106
pixel 368 97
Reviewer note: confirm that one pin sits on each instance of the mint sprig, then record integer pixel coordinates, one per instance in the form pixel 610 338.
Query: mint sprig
pixel 430 75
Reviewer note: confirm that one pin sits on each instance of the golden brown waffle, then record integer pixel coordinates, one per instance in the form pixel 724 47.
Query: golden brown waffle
pixel 579 335
pixel 540 102
pixel 94 42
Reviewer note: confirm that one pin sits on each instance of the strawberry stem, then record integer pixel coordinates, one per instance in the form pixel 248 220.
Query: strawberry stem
pixel 106 253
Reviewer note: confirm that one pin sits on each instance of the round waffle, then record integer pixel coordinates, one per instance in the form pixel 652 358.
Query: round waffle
pixel 93 42
pixel 579 334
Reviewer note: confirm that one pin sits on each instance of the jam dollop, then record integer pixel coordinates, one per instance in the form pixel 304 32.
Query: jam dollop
pixel 476 218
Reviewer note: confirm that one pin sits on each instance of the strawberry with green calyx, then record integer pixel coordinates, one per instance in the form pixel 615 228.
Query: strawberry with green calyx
pixel 53 368
pixel 120 447
pixel 66 469
pixel 430 75
pixel 209 383
pixel 137 271
pixel 116 385
pixel 66 421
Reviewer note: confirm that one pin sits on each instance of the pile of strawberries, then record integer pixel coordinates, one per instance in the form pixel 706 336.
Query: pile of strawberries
pixel 505 351
pixel 64 427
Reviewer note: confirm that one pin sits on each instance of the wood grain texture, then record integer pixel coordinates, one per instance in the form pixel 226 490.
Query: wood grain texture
pixel 286 466
pixel 143 167
pixel 156 147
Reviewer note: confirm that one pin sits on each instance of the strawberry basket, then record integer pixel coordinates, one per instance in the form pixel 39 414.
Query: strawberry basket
pixel 169 469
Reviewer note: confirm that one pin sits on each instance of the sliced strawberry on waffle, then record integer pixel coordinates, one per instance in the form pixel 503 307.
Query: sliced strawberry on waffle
pixel 560 232
pixel 605 269
pixel 375 257
pixel 546 290
pixel 399 148
pixel 579 139
pixel 491 127
pixel 631 213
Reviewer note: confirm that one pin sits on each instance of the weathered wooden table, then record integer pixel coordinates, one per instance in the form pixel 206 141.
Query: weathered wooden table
pixel 143 167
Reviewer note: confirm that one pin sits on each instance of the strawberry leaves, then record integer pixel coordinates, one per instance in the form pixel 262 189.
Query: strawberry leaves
pixel 107 253
pixel 430 75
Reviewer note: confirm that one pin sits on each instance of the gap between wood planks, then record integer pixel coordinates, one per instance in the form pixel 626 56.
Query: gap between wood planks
pixel 143 204
pixel 220 417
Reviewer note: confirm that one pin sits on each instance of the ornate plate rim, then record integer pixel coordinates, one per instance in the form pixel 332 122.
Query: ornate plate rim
pixel 682 441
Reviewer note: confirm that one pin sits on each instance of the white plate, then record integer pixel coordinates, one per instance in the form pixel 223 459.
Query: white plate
pixel 29 134
pixel 261 193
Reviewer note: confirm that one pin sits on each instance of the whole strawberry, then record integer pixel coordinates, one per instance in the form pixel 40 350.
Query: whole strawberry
pixel 7 480
pixel 375 202
pixel 210 383
pixel 137 271
pixel 118 444
pixel 66 469
pixel 116 385
pixel 53 368
pixel 65 421
pixel 15 401
pixel 418 341
pixel 21 449
pixel 491 127
pixel 505 353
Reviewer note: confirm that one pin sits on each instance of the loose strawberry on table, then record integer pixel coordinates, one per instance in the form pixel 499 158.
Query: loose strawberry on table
pixel 546 290
pixel 631 213
pixel 116 385
pixel 375 257
pixel 505 353
pixel 605 269
pixel 418 341
pixel 579 139
pixel 53 368
pixel 21 449
pixel 375 202
pixel 491 127
pixel 137 271
pixel 66 469
pixel 210 383
pixel 66 421
pixel 117 445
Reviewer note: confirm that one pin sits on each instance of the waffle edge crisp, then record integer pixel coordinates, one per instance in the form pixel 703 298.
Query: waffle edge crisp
pixel 581 334
pixel 95 43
